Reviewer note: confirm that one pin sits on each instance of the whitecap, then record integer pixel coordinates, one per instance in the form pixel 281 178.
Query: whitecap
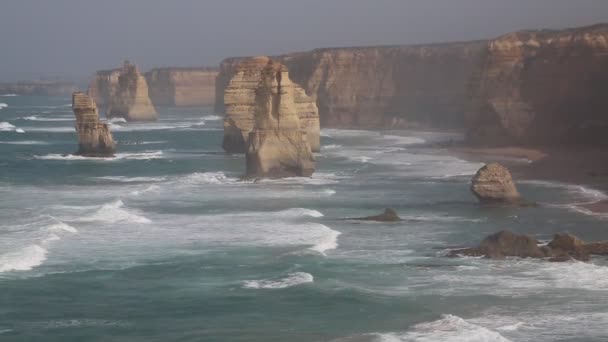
pixel 61 226
pixel 19 130
pixel 292 279
pixel 212 118
pixel 115 120
pixel 207 178
pixel 24 259
pixel 25 142
pixel 5 126
pixel 37 118
pixel 124 179
pixel 331 147
pixel 115 212
pixel 3 105
pixel 119 156
pixel 449 328
pixel 151 188
pixel 8 95
pixel 318 178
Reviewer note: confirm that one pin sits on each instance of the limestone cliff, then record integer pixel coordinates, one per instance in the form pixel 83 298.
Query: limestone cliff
pixel 124 93
pixel 382 87
pixel 182 87
pixel 277 146
pixel 242 81
pixel 38 88
pixel 94 138
pixel 542 87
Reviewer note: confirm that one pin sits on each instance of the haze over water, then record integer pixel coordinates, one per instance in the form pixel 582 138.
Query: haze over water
pixel 164 242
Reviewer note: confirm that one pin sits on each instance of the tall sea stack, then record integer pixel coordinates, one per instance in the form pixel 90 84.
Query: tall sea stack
pixel 277 146
pixel 94 138
pixel 239 103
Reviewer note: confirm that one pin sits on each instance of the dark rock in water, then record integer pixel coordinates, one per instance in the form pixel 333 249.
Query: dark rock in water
pixel 389 215
pixel 563 247
pixel 504 244
pixel 493 184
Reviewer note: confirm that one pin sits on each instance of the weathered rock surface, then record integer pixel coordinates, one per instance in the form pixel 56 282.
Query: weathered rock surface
pixel 563 247
pixel 389 215
pixel 493 184
pixel 94 138
pixel 381 87
pixel 124 94
pixel 277 146
pixel 242 79
pixel 182 87
pixel 542 87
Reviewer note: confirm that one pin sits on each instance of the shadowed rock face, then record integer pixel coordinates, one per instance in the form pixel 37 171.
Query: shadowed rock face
pixel 182 87
pixel 277 146
pixel 242 81
pixel 493 184
pixel 124 94
pixel 94 138
pixel 542 87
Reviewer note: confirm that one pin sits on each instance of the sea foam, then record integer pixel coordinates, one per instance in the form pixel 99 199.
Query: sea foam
pixel 292 279
pixel 24 259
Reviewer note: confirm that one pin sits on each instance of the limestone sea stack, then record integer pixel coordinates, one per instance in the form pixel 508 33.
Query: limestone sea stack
pixel 277 146
pixel 242 79
pixel 123 93
pixel 94 138
pixel 493 184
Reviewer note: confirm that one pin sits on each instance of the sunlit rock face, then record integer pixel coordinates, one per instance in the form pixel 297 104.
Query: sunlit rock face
pixel 277 146
pixel 94 138
pixel 243 77
pixel 123 93
pixel 542 87
pixel 182 87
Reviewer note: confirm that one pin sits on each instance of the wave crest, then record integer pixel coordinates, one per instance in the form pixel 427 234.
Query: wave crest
pixel 292 279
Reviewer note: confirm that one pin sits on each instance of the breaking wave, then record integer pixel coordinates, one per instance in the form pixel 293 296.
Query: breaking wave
pixel 115 212
pixel 292 279
pixel 24 259
pixel 212 118
pixel 5 126
pixel 9 95
pixel 124 179
pixel 208 178
pixel 24 142
pixel 3 105
pixel 37 118
pixel 117 157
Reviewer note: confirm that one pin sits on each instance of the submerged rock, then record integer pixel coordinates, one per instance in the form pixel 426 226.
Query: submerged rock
pixel 277 146
pixel 493 184
pixel 563 247
pixel 94 138
pixel 389 215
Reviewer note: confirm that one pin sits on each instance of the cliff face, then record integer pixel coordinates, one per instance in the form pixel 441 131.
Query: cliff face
pixel 381 87
pixel 124 93
pixel 182 87
pixel 239 100
pixel 542 87
pixel 277 146
pixel 94 138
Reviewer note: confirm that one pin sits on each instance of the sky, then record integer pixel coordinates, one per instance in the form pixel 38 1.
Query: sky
pixel 73 38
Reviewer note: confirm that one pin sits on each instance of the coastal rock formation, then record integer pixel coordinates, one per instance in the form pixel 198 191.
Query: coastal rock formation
pixel 182 87
pixel 239 101
pixel 94 138
pixel 493 184
pixel 381 87
pixel 542 87
pixel 277 146
pixel 124 94
pixel 563 247
pixel 389 215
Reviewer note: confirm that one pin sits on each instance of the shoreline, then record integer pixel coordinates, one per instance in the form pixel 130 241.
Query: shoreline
pixel 584 166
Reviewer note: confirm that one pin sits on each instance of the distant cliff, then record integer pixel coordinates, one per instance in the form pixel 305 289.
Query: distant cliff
pixel 542 87
pixel 382 87
pixel 182 87
pixel 41 88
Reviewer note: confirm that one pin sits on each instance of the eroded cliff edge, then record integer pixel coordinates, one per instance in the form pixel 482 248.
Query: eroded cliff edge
pixel 381 87
pixel 543 87
pixel 182 87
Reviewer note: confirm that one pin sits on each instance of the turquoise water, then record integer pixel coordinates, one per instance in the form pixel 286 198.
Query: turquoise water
pixel 164 243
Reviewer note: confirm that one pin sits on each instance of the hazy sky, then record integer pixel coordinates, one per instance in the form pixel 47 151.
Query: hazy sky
pixel 77 37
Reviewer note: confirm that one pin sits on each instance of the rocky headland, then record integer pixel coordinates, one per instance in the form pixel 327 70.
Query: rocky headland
pixel 94 137
pixel 38 88
pixel 123 93
pixel 277 146
pixel 182 87
pixel 239 100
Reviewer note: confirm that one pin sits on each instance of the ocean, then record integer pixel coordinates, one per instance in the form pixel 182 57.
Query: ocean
pixel 164 242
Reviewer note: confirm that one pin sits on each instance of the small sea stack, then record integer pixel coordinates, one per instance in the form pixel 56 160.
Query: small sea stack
pixel 94 137
pixel 277 146
pixel 389 215
pixel 493 184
